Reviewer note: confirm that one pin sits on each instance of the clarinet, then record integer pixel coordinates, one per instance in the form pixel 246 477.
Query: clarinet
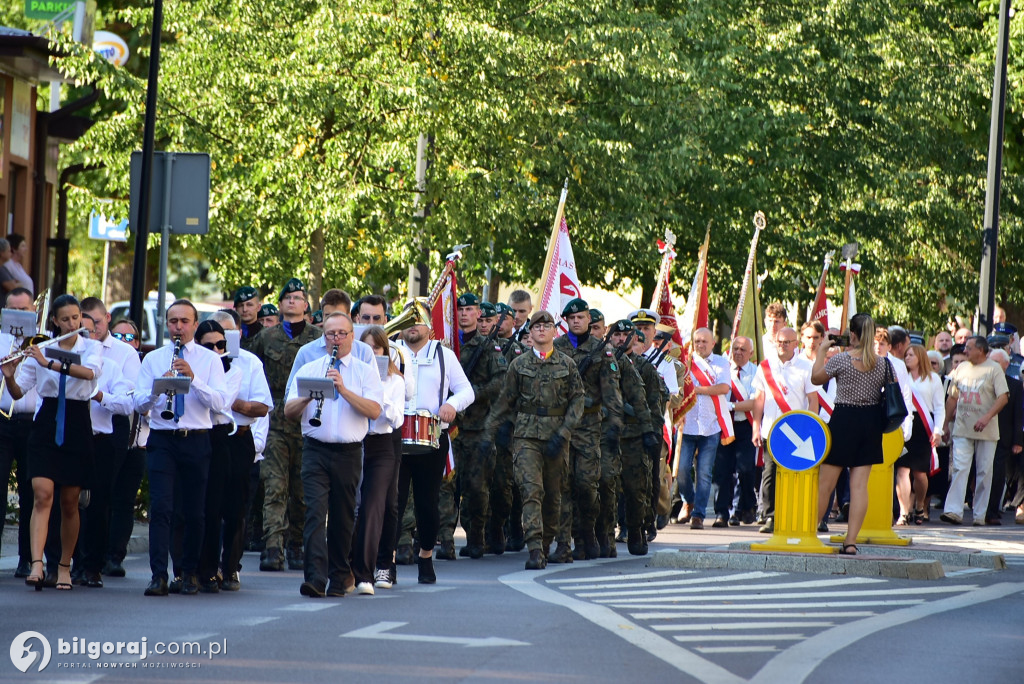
pixel 168 412
pixel 315 420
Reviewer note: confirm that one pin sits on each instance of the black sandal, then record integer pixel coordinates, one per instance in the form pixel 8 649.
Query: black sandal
pixel 64 586
pixel 919 516
pixel 35 580
pixel 844 551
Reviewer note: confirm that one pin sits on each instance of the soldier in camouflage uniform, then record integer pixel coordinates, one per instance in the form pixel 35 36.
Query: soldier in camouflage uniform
pixel 636 421
pixel 506 503
pixel 280 470
pixel 595 361
pixel 657 397
pixel 543 397
pixel 485 366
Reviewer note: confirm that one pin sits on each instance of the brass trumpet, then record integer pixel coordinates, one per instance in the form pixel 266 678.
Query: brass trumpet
pixel 40 341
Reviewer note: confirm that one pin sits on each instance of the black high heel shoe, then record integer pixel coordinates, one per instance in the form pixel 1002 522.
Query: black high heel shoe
pixel 35 580
pixel 64 586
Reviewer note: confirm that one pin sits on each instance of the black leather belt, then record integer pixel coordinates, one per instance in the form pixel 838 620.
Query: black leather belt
pixel 182 432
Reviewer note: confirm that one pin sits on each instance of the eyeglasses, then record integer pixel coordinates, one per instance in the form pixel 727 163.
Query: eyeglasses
pixel 338 334
pixel 785 342
pixel 293 298
pixel 375 318
pixel 542 326
pixel 219 345
pixel 124 337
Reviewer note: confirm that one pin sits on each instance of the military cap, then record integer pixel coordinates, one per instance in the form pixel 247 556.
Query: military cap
pixel 575 306
pixel 318 317
pixel 245 293
pixel 916 337
pixel 541 317
pixel 503 308
pixel 267 310
pixel 622 326
pixel 596 316
pixel 644 317
pixel 293 285
pixel 640 336
pixel 998 341
pixel 487 310
pixel 1005 329
pixel 469 299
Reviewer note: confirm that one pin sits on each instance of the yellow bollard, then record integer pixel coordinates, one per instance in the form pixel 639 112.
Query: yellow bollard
pixel 877 527
pixel 796 491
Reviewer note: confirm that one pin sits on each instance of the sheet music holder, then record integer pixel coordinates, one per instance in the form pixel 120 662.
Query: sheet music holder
pixel 172 385
pixel 234 340
pixel 316 388
pixel 20 324
pixel 65 358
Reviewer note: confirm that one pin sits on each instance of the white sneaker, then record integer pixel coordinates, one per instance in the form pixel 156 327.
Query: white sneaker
pixel 382 578
pixel 364 589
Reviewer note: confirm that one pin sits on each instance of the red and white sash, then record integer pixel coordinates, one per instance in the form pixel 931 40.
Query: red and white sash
pixel 825 404
pixel 926 420
pixel 777 394
pixel 702 376
pixel 740 393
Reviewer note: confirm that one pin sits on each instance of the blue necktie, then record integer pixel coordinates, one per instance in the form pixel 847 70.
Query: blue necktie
pixel 179 399
pixel 62 391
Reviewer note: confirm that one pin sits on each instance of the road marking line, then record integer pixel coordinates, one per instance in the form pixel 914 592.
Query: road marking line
pixel 617 578
pixel 382 630
pixel 253 621
pixel 670 610
pixel 796 594
pixel 718 626
pixel 670 583
pixel 667 650
pixel 746 637
pixel 736 649
pixel 809 584
pixel 967 571
pixel 309 607
pixel 427 590
pixel 795 664
pixel 701 614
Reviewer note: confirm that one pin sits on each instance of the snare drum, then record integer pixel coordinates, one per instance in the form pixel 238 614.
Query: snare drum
pixel 421 432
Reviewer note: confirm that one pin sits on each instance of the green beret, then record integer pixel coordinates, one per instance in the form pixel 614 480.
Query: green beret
pixel 622 326
pixel 245 293
pixel 318 317
pixel 267 310
pixel 575 306
pixel 469 299
pixel 487 310
pixel 596 316
pixel 293 285
pixel 640 336
pixel 503 308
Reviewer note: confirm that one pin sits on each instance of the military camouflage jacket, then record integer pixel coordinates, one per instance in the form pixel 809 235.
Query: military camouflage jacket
pixel 600 379
pixel 277 353
pixel 487 379
pixel 655 389
pixel 512 349
pixel 637 419
pixel 541 397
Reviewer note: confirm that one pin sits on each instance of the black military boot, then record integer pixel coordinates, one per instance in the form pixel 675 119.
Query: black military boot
pixel 590 545
pixel 613 551
pixel 475 544
pixel 562 554
pixel 295 559
pixel 579 550
pixel 536 561
pixel 636 542
pixel 446 551
pixel 404 555
pixel 496 537
pixel 272 561
pixel 605 547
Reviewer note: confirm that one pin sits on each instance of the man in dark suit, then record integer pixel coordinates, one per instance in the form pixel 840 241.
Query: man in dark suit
pixel 1011 438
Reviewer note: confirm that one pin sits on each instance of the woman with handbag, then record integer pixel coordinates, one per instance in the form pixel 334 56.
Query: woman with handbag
pixel 857 421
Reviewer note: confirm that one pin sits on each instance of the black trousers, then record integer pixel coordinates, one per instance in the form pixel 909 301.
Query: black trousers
pixel 736 458
pixel 380 471
pixel 213 511
pixel 14 449
pixel 236 498
pixel 95 529
pixel 123 496
pixel 330 477
pixel 390 522
pixel 423 472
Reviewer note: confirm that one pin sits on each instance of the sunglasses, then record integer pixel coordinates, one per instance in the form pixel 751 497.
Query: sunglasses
pixel 219 345
pixel 124 337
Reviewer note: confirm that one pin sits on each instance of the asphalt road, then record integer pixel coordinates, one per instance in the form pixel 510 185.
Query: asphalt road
pixel 599 621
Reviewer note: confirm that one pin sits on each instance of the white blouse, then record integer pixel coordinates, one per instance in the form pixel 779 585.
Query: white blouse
pixel 393 415
pixel 47 382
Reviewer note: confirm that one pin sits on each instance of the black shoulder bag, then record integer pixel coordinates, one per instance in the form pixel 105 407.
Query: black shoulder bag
pixel 894 409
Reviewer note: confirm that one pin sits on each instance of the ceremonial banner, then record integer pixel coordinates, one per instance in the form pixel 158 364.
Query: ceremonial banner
pixel 851 298
pixel 443 315
pixel 819 308
pixel 661 300
pixel 560 283
pixel 695 313
pixel 751 321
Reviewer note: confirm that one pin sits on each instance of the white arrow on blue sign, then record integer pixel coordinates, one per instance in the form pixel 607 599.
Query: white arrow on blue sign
pixel 799 440
pixel 103 228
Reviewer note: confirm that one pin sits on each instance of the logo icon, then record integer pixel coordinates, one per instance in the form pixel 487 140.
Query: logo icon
pixel 24 657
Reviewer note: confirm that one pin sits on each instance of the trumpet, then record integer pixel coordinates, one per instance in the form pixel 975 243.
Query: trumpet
pixel 315 420
pixel 40 341
pixel 168 412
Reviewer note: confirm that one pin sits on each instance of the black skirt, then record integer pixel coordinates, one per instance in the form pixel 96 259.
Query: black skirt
pixel 919 449
pixel 856 436
pixel 71 464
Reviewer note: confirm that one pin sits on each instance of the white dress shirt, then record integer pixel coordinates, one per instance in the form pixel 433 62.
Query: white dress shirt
pixel 903 376
pixel 392 413
pixel 794 381
pixel 402 357
pixel 933 398
pixel 702 419
pixel 208 391
pixel 233 380
pixel 29 402
pixel 426 368
pixel 317 349
pixel 47 382
pixel 340 423
pixel 260 430
pixel 117 398
pixel 744 377
pixel 666 370
pixel 254 386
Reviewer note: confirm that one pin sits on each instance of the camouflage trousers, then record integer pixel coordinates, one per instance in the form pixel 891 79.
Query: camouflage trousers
pixel 502 487
pixel 466 496
pixel 608 489
pixel 540 483
pixel 283 509
pixel 636 481
pixel 580 488
pixel 407 529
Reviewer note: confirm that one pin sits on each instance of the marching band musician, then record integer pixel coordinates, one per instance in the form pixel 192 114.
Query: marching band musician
pixel 179 447
pixel 333 301
pixel 332 456
pixel 443 389
pixel 15 428
pixel 61 440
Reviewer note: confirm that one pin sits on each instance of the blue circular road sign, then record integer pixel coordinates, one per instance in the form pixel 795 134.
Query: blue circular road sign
pixel 799 440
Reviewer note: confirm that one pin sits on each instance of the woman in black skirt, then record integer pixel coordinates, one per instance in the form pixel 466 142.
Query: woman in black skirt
pixel 856 423
pixel 61 449
pixel 913 467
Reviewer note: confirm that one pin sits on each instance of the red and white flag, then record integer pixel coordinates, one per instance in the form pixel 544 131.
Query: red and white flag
pixel 695 313
pixel 560 283
pixel 443 316
pixel 819 309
